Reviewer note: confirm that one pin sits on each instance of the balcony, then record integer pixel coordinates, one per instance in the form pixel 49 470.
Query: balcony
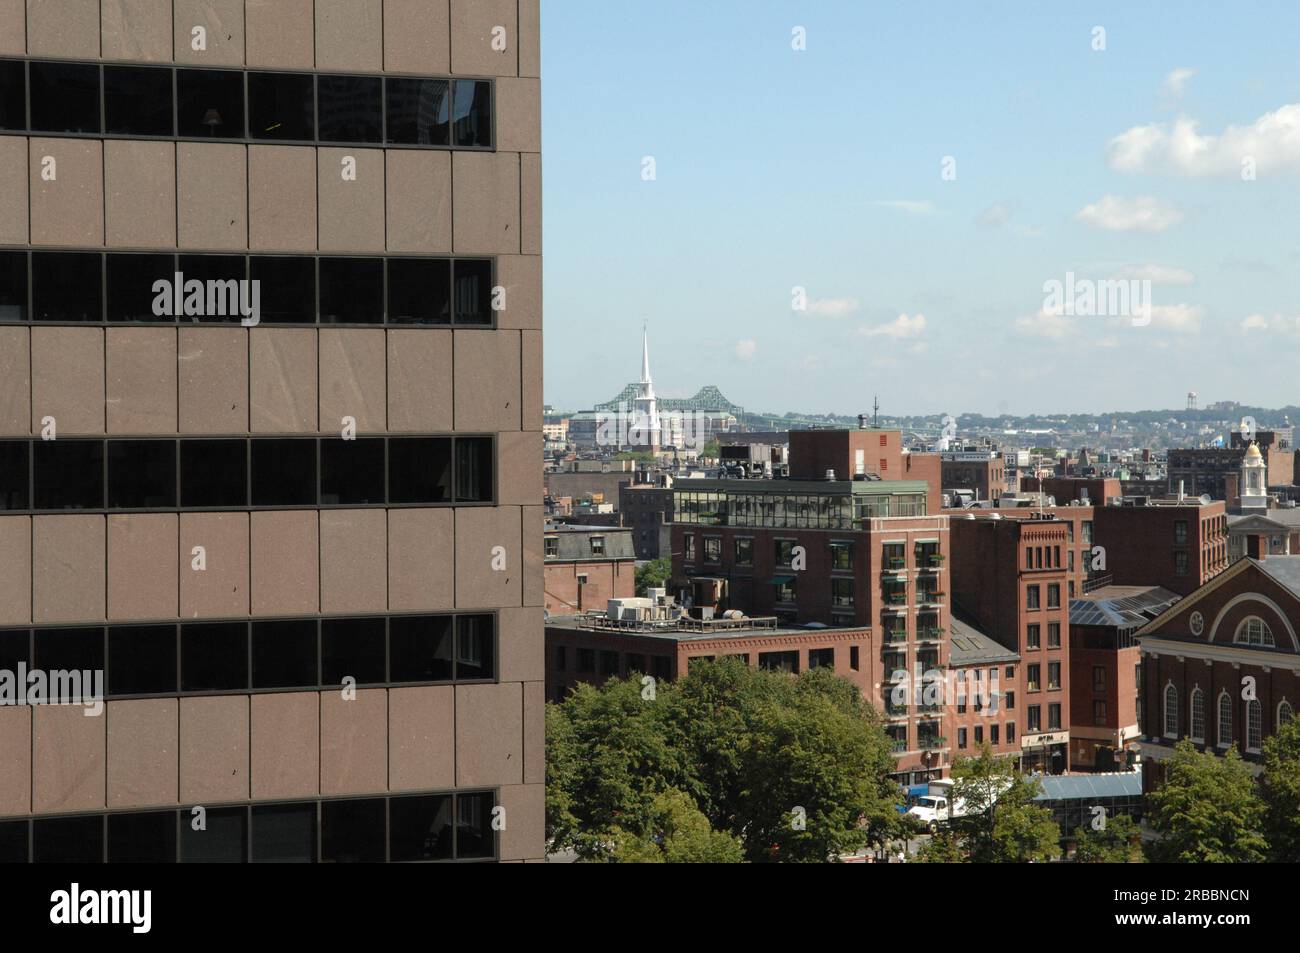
pixel 895 636
pixel 930 598
pixel 895 599
pixel 930 633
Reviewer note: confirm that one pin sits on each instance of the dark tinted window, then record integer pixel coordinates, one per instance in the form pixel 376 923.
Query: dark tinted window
pixel 474 649
pixel 419 470
pixel 221 270
pixel 14 455
pixel 141 474
pixel 352 647
pixel 473 113
pixel 473 284
pixel 351 291
pixel 418 111
pixel 284 472
pixel 214 657
pixel 350 108
pixel 65 97
pixel 69 474
pixel 281 106
pixel 474 835
pixel 131 294
pixel 352 471
pixel 223 840
pixel 287 286
pixel 141 659
pixel 66 286
pixel 214 473
pixel 474 469
pixel 352 832
pixel 15 647
pixel 68 840
pixel 137 101
pixel 284 654
pixel 284 834
pixel 70 649
pixel 13 286
pixel 210 104
pixel 420 649
pixel 419 291
pixel 142 838
pixel 13 95
pixel 420 828
pixel 13 842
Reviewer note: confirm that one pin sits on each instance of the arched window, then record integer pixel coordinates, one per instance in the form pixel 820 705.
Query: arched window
pixel 1198 715
pixel 1254 631
pixel 1171 711
pixel 1284 713
pixel 1225 719
pixel 1254 725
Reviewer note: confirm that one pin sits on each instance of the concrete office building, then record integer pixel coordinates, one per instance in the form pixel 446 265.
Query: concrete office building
pixel 200 527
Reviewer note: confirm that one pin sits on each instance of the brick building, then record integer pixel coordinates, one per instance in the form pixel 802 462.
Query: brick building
pixel 1105 671
pixel 1009 577
pixel 647 510
pixel 984 709
pixel 1222 666
pixel 586 566
pixel 592 649
pixel 844 552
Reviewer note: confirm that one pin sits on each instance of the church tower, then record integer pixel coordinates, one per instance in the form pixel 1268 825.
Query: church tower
pixel 646 430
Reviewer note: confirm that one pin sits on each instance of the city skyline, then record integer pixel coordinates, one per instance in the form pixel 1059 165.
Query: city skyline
pixel 923 235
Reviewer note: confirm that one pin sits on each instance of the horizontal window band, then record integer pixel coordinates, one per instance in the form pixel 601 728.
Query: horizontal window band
pixel 166 473
pixel 188 102
pixel 456 826
pixel 164 659
pixel 41 286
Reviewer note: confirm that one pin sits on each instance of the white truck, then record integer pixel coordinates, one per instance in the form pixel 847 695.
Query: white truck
pixel 939 805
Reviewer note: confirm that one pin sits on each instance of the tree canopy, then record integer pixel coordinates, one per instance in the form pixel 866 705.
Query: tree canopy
pixel 729 762
pixel 1206 812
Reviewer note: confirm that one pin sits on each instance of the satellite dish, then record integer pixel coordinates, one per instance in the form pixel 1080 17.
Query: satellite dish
pixel 1205 499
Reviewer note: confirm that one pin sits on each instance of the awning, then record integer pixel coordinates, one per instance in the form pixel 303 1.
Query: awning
pixel 782 580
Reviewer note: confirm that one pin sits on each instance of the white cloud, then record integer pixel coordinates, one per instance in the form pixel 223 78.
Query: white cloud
pixel 1116 213
pixel 901 327
pixel 832 307
pixel 1272 324
pixel 996 215
pixel 910 206
pixel 1156 274
pixel 1180 318
pixel 1045 324
pixel 1272 141
pixel 1177 79
pixel 745 350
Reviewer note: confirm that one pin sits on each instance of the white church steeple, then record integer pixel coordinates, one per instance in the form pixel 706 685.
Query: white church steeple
pixel 646 425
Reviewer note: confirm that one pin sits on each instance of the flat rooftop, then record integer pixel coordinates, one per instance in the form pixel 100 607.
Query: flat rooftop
pixel 693 630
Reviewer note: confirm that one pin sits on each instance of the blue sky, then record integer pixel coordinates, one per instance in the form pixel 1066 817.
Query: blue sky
pixel 821 169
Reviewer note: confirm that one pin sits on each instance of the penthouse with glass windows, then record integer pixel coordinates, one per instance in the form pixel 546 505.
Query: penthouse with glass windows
pixel 270 425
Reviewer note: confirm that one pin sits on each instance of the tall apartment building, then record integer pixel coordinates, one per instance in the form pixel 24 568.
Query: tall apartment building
pixel 837 545
pixel 297 523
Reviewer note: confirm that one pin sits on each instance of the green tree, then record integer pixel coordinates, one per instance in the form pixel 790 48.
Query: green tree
pixel 679 834
pixel 1206 812
pixel 1279 788
pixel 942 848
pixel 1116 843
pixel 743 747
pixel 653 574
pixel 1002 824
pixel 811 776
pixel 612 757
